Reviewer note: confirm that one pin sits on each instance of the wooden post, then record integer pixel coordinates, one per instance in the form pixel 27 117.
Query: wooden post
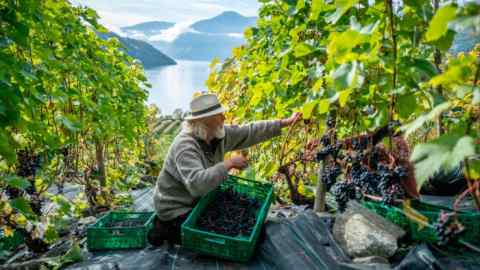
pixel 320 192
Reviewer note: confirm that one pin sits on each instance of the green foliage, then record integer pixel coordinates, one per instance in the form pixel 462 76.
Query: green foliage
pixel 72 101
pixel 445 153
pixel 356 58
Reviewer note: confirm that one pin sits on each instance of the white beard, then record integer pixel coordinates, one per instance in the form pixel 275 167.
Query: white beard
pixel 219 132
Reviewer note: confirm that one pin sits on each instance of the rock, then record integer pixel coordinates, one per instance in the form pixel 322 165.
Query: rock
pixel 371 260
pixel 87 220
pixel 279 212
pixel 363 233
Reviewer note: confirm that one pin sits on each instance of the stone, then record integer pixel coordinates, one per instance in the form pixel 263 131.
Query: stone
pixel 363 233
pixel 87 220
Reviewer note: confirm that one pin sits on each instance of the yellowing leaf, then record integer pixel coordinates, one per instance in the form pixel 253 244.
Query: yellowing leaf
pixel 439 24
pixel 7 209
pixel 7 231
pixel 308 109
pixel 473 169
pixel 20 219
pixel 414 215
pixel 318 85
pixel 343 98
pixel 323 106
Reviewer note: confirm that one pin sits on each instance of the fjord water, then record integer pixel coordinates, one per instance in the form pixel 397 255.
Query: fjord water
pixel 173 86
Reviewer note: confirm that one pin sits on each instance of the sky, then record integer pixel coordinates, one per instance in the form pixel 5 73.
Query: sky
pixel 117 13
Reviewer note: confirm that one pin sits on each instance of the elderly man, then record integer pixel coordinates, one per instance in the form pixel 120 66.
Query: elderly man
pixel 195 162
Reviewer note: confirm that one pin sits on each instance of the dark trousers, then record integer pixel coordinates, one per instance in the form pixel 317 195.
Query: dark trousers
pixel 167 230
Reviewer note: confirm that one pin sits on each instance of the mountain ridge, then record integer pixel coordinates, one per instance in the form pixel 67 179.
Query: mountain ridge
pixel 146 53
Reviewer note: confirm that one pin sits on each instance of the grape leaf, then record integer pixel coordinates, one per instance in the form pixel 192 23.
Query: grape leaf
pixel 439 24
pixel 445 153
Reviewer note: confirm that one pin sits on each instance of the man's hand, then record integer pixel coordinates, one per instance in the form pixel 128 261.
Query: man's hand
pixel 296 116
pixel 237 162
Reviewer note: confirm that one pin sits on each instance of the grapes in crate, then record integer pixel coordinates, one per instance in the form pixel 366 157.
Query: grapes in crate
pixel 230 213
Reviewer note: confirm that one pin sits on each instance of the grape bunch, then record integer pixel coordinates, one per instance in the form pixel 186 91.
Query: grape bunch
pixel 329 150
pixel 28 163
pixel 329 174
pixel 360 143
pixel 343 192
pixel 368 168
pixel 446 229
pixel 230 213
pixel 362 178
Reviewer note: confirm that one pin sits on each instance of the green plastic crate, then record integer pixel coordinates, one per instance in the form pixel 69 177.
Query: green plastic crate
pixel 12 242
pixel 233 248
pixel 101 237
pixel 426 234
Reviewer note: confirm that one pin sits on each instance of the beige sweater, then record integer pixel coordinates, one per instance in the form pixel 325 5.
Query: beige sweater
pixel 192 168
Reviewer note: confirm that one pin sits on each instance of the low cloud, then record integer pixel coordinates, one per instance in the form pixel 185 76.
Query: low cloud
pixel 172 33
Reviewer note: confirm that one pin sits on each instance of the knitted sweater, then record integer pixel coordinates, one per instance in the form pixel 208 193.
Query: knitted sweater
pixel 192 167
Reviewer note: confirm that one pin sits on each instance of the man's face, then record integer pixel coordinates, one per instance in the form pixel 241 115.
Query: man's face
pixel 215 125
pixel 215 121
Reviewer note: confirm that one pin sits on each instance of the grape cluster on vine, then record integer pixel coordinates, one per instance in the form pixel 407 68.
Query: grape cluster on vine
pixel 343 192
pixel 364 166
pixel 27 163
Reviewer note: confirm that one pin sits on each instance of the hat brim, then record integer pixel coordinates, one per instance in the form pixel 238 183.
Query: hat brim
pixel 214 112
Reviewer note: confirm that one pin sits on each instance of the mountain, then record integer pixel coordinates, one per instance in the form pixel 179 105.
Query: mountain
pixel 203 40
pixel 147 28
pixel 226 22
pixel 146 53
pixel 200 46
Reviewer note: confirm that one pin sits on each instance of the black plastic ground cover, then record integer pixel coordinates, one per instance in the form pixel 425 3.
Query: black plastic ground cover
pixel 301 243
pixel 424 257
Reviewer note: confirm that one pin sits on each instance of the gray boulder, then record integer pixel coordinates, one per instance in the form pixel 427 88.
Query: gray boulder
pixel 363 233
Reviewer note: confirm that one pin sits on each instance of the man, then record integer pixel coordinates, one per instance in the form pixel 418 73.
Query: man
pixel 195 163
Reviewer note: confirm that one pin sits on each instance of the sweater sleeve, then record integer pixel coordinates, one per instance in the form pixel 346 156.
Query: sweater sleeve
pixel 239 137
pixel 197 179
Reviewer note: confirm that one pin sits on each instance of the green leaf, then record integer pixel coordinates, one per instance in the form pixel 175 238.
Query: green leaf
pixel 445 42
pixel 7 144
pixel 300 4
pixel 406 105
pixel 308 109
pixel 73 255
pixel 17 182
pixel 439 24
pixel 51 234
pixel 444 153
pixel 425 67
pixel 348 76
pixel 342 6
pixel 316 9
pixel 68 123
pixel 421 120
pixel 302 49
pixel 22 206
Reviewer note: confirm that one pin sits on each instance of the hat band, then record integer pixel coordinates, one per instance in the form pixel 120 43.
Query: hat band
pixel 217 106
